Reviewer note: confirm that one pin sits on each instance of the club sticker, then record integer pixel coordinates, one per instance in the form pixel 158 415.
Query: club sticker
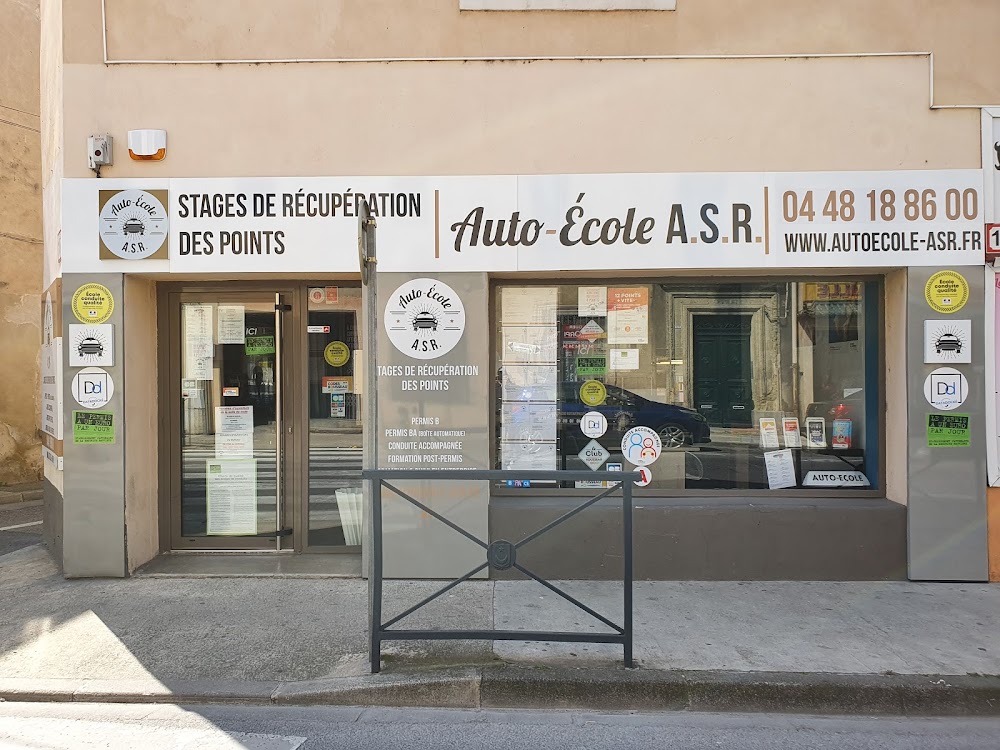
pixel 337 354
pixel 424 319
pixel 594 424
pixel 93 303
pixel 133 224
pixel 641 446
pixel 946 388
pixel 946 291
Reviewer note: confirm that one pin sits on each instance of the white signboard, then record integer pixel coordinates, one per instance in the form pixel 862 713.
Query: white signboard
pixel 232 324
pixel 52 389
pixel 946 388
pixel 947 341
pixel 780 469
pixel 594 455
pixel 91 345
pixel 93 387
pixel 231 499
pixel 550 222
pixel 234 431
pixel 835 479
pixel 641 446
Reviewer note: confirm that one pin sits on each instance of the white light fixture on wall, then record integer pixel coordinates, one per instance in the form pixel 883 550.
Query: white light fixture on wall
pixel 147 145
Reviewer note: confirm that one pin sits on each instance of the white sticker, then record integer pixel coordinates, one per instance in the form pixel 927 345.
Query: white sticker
pixel 91 345
pixel 424 318
pixel 946 388
pixel 593 300
pixel 93 387
pixel 624 359
pixel 641 446
pixel 594 454
pixel 594 424
pixel 647 476
pixel 947 341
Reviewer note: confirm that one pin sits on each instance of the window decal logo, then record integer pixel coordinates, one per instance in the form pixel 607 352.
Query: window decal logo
pixel 424 318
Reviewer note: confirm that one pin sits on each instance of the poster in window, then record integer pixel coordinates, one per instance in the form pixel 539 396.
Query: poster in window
pixel 529 305
pixel 628 315
pixel 232 324
pixel 529 344
pixel 790 428
pixel 780 469
pixel 592 301
pixel 528 456
pixel 528 382
pixel 234 431
pixel 768 432
pixel 528 422
pixel 231 496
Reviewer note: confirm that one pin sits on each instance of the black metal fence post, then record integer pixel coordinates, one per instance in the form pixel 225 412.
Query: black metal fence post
pixel 376 604
pixel 627 533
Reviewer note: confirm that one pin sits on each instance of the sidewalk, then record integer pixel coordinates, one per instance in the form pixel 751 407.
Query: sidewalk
pixel 885 647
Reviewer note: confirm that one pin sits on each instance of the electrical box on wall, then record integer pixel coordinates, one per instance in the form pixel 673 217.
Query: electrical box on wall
pixel 99 148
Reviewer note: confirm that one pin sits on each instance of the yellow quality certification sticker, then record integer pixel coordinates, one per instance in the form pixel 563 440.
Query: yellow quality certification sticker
pixel 336 354
pixel 947 291
pixel 93 303
pixel 593 393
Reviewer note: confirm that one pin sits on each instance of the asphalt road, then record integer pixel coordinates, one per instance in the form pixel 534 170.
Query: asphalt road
pixel 83 726
pixel 20 526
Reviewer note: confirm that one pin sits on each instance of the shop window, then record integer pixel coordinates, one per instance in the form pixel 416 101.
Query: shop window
pixel 748 386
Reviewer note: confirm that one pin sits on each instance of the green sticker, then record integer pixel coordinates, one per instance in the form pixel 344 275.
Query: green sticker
pixel 257 345
pixel 948 431
pixel 590 367
pixel 93 427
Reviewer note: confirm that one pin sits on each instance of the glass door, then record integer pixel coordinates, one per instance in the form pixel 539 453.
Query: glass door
pixel 230 464
pixel 334 402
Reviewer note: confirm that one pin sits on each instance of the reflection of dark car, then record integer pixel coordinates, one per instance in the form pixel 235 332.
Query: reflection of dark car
pixel 948 342
pixel 676 425
pixel 90 345
pixel 133 226
pixel 425 320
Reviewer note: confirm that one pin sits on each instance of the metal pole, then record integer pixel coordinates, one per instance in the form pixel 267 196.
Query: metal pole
pixel 279 516
pixel 369 276
pixel 627 529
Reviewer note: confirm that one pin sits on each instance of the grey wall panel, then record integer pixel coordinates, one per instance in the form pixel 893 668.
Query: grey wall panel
pixel 947 486
pixel 93 475
pixel 719 539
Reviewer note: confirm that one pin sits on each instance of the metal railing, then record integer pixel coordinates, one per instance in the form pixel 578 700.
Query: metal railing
pixel 500 554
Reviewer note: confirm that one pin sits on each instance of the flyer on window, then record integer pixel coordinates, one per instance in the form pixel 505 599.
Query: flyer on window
pixel 790 428
pixel 815 432
pixel 628 315
pixel 780 469
pixel 768 432
pixel 231 497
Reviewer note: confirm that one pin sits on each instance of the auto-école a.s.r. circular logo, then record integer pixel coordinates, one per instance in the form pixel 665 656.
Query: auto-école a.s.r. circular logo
pixel 424 318
pixel 133 224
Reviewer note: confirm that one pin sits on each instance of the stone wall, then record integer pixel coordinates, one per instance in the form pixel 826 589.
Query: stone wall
pixel 20 242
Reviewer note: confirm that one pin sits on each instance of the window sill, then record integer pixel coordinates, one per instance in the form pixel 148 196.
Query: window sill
pixel 571 5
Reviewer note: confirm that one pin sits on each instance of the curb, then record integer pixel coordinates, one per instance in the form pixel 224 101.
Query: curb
pixel 559 688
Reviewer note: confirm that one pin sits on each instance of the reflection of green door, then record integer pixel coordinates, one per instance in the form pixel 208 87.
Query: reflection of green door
pixel 722 371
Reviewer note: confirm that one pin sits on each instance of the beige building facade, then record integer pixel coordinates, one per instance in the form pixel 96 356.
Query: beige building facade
pixel 231 310
pixel 20 242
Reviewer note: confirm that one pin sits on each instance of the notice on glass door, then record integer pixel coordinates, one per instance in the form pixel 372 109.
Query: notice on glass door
pixel 234 431
pixel 231 500
pixel 232 324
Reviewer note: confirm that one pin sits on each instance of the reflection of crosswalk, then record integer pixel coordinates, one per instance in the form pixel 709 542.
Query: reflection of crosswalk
pixel 330 469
